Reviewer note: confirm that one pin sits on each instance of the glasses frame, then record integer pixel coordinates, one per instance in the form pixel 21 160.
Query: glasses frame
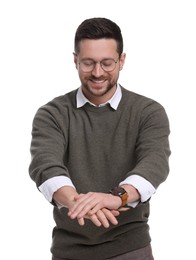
pixel 101 65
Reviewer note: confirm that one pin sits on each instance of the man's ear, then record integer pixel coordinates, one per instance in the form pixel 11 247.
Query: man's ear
pixel 122 60
pixel 75 59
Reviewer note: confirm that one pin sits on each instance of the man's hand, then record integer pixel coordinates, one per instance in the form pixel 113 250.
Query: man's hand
pixel 103 217
pixel 90 203
pixel 68 197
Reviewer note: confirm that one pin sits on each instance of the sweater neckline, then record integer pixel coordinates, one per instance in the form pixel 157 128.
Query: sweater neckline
pixel 95 109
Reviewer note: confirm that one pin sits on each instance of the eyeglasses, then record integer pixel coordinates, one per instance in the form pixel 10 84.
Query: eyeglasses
pixel 88 65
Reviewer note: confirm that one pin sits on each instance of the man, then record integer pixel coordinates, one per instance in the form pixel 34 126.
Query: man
pixel 99 153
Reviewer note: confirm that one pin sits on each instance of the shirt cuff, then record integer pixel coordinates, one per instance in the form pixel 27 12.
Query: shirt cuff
pixel 144 187
pixel 48 187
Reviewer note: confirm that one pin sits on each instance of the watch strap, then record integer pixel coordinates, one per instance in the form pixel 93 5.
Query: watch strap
pixel 120 192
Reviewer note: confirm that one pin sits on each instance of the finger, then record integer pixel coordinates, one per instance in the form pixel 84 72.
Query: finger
pixel 116 213
pixel 102 218
pixel 123 209
pixel 79 199
pixel 81 207
pixel 110 216
pixel 95 220
pixel 81 221
pixel 95 209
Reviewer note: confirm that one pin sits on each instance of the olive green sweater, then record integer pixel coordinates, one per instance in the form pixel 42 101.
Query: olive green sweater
pixel 98 147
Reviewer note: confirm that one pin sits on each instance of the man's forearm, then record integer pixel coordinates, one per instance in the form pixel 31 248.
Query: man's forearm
pixel 65 196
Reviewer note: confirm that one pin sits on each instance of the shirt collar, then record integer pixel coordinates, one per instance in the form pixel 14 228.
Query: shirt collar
pixel 114 101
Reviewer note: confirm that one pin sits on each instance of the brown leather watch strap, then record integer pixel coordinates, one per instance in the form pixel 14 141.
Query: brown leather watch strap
pixel 120 192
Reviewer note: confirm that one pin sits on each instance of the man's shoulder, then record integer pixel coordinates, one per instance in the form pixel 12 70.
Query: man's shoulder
pixel 59 105
pixel 136 98
pixel 65 100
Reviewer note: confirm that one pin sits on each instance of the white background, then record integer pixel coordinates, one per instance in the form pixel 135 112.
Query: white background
pixel 36 64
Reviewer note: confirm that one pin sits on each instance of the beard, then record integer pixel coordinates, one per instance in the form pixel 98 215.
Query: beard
pixel 96 88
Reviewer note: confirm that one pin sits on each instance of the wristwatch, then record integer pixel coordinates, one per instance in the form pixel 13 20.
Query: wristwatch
pixel 120 192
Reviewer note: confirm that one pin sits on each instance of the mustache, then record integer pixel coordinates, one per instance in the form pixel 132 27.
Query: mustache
pixel 97 78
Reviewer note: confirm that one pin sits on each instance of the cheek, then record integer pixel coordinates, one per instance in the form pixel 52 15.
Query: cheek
pixel 82 76
pixel 115 75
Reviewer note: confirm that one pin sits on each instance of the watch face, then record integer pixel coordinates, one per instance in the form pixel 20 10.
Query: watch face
pixel 118 191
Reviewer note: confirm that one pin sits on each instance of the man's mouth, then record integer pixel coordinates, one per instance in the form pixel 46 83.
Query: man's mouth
pixel 98 81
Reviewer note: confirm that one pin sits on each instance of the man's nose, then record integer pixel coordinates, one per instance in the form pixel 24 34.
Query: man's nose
pixel 97 71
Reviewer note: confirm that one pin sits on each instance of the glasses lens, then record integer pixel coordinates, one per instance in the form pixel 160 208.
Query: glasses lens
pixel 89 65
pixel 108 64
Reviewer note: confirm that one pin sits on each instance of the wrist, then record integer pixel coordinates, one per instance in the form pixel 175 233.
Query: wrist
pixel 121 193
pixel 117 202
pixel 133 194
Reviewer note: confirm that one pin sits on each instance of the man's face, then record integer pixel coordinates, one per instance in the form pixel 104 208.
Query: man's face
pixel 98 82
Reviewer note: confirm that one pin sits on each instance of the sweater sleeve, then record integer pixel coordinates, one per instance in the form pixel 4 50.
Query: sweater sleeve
pixel 152 145
pixel 48 145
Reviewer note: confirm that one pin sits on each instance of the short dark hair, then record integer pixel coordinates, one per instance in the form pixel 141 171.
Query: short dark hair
pixel 98 28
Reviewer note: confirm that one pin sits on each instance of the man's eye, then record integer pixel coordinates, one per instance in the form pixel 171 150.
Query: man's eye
pixel 106 63
pixel 88 63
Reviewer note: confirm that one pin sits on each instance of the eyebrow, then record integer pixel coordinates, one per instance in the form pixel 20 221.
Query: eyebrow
pixel 108 58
